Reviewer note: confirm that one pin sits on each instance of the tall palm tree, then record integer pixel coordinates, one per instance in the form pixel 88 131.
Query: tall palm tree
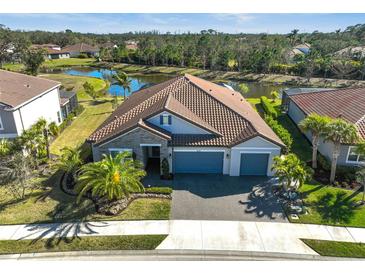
pixel 317 126
pixel 339 132
pixel 113 177
pixel 70 162
pixel 123 80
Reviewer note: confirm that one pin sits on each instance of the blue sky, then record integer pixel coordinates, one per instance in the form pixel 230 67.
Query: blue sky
pixel 232 23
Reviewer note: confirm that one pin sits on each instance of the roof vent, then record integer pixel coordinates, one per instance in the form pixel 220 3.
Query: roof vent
pixel 115 117
pixel 241 100
pixel 27 85
pixel 232 94
pixel 210 89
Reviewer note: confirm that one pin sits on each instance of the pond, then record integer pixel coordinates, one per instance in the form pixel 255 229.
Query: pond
pixel 141 81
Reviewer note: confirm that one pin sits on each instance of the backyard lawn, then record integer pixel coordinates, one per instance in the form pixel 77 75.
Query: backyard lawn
pixel 126 242
pixel 331 206
pixel 337 249
pixel 76 82
pixel 48 203
pixel 54 64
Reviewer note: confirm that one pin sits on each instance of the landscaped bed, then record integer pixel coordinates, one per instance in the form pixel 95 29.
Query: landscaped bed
pixel 337 249
pixel 126 242
pixel 48 203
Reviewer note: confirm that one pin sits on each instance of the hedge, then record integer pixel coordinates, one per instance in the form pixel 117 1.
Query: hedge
pixel 268 107
pixel 159 190
pixel 282 132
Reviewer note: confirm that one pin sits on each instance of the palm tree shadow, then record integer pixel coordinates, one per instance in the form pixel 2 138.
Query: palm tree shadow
pixel 335 208
pixel 264 204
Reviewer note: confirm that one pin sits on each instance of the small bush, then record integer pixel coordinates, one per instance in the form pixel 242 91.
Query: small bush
pixel 82 56
pixel 268 107
pixel 159 190
pixel 323 162
pixel 78 110
pixel 282 132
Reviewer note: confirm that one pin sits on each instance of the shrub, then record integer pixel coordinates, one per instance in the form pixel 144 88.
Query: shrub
pixel 323 162
pixel 78 110
pixel 282 132
pixel 82 56
pixel 159 190
pixel 268 107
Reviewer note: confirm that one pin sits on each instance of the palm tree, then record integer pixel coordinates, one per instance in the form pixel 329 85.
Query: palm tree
pixel 70 162
pixel 123 80
pixel 113 177
pixel 317 126
pixel 339 132
pixel 291 170
pixel 4 147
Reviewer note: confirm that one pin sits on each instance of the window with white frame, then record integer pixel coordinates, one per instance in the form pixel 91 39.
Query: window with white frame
pixel 115 151
pixel 354 157
pixel 1 124
pixel 165 119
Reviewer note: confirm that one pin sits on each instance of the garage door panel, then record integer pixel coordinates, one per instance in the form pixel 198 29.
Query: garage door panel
pixel 198 162
pixel 254 164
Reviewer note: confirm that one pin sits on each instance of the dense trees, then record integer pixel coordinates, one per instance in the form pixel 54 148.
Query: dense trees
pixel 209 49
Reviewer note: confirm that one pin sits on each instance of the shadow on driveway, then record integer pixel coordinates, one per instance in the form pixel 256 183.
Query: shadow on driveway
pixel 219 197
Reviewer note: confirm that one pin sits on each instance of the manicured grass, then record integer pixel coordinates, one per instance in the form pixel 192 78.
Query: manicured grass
pixel 48 203
pixel 337 249
pixel 301 146
pixel 331 206
pixel 76 82
pixel 54 64
pixel 83 125
pixel 68 62
pixel 125 242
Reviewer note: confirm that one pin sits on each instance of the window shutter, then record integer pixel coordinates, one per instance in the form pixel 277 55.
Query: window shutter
pixel 170 120
pixel 161 120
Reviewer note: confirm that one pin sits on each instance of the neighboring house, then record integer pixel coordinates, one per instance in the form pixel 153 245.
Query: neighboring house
pixel 23 100
pixel 351 52
pixel 68 102
pixel 298 50
pixel 57 54
pixel 82 48
pixel 131 44
pixel 291 91
pixel 46 46
pixel 198 126
pixel 348 104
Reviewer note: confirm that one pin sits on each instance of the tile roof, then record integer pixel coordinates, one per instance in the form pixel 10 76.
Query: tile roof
pixel 349 104
pixel 223 112
pixel 80 47
pixel 18 88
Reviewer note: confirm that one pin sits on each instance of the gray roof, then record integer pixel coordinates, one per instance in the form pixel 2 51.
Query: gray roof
pixel 292 91
pixel 17 88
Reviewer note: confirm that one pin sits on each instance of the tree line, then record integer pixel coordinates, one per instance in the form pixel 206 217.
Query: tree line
pixel 213 50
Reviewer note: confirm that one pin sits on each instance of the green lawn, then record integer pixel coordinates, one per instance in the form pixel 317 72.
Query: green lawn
pixel 48 203
pixel 76 82
pixel 331 206
pixel 54 64
pixel 126 242
pixel 337 249
pixel 83 125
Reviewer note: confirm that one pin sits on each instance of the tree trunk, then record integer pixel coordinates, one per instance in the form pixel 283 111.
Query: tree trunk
pixel 314 151
pixel 336 151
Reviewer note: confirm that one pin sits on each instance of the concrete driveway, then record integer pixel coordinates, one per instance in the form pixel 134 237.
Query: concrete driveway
pixel 218 197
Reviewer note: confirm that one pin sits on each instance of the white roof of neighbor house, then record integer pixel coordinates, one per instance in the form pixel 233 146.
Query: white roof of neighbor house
pixel 17 88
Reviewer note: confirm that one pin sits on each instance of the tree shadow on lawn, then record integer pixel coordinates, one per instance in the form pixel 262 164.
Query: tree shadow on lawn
pixel 336 208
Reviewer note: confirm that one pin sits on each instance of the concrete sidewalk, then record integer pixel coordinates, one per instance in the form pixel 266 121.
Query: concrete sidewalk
pixel 198 235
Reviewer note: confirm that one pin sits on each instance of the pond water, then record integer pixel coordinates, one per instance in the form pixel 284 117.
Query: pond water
pixel 141 81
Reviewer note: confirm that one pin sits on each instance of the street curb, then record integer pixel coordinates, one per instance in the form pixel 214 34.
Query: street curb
pixel 166 255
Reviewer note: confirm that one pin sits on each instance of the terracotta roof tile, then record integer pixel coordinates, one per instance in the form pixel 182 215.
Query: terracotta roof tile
pixel 216 109
pixel 349 104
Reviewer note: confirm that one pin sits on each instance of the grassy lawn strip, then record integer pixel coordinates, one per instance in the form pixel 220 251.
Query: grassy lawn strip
pixel 54 64
pixel 81 128
pixel 336 249
pixel 76 82
pixel 331 206
pixel 125 242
